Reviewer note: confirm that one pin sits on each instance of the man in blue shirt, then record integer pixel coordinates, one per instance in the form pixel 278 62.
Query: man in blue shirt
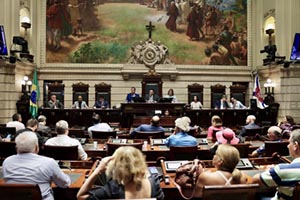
pixel 130 96
pixel 284 176
pixel 153 126
pixel 180 137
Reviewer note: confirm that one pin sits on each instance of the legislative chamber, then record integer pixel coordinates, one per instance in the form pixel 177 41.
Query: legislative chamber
pixel 120 63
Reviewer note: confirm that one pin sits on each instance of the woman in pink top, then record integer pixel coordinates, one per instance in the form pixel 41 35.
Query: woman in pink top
pixel 216 125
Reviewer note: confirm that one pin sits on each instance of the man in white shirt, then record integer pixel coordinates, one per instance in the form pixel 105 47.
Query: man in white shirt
pixel 30 168
pixel 16 122
pixel 62 139
pixel 235 104
pixel 98 126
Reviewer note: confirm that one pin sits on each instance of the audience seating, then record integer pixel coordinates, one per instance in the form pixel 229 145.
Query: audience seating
pixel 104 134
pixel 149 134
pixel 243 149
pixel 5 131
pixel 61 152
pixel 111 147
pixel 296 193
pixel 230 192
pixel 7 149
pixel 77 133
pixel 20 191
pixel 183 153
pixel 275 146
pixel 251 133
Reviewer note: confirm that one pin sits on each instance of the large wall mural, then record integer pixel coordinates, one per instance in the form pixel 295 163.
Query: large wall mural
pixel 196 32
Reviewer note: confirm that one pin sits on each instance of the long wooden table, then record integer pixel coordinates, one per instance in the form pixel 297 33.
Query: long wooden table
pixel 126 114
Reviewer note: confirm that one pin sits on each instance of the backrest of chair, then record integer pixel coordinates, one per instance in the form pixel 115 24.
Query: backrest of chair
pixel 20 191
pixel 296 193
pixel 77 133
pixel 243 149
pixel 111 147
pixel 7 149
pixel 61 152
pixel 147 134
pixel 251 132
pixel 232 192
pixel 103 134
pixel 275 146
pixel 5 131
pixel 183 153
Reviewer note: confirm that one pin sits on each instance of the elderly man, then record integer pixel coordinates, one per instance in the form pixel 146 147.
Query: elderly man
pixel 153 126
pixel 80 104
pixel 274 134
pixel 54 103
pixel 284 176
pixel 29 167
pixel 250 121
pixel 62 139
pixel 151 97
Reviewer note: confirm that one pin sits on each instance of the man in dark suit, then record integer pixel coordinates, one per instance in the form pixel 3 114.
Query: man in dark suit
pixel 250 124
pixel 130 96
pixel 222 103
pixel 151 97
pixel 101 103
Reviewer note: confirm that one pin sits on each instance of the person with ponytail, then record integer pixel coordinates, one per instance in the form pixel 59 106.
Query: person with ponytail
pixel 225 161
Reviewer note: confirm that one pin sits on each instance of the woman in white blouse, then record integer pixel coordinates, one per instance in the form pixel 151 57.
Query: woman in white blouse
pixel 196 104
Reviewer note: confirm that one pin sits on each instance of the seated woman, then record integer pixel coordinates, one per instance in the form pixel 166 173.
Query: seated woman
pixel 226 136
pixel 180 137
pixel 225 161
pixel 130 178
pixel 216 125
pixel 287 124
pixel 171 95
pixel 196 104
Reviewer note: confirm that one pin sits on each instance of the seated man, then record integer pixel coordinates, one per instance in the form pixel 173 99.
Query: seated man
pixel 16 122
pixel 31 125
pixel 54 103
pixel 222 103
pixel 130 96
pixel 29 167
pixel 284 176
pixel 153 126
pixel 62 139
pixel 151 97
pixel 180 137
pixel 101 103
pixel 80 104
pixel 250 121
pixel 98 126
pixel 42 128
pixel 274 134
pixel 235 104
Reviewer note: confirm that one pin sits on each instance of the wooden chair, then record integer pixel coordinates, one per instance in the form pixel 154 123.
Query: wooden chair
pixel 296 192
pixel 20 191
pixel 77 133
pixel 243 149
pixel 183 153
pixel 104 134
pixel 149 134
pixel 230 192
pixel 7 149
pixel 275 146
pixel 61 152
pixel 252 132
pixel 111 147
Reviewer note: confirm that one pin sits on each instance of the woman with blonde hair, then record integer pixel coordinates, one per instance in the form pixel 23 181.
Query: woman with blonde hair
pixel 216 125
pixel 225 161
pixel 129 178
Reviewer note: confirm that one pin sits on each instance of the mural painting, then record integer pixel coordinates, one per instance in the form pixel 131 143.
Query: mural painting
pixel 196 32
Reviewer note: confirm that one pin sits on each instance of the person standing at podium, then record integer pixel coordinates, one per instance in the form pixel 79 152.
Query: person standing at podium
pixel 151 97
pixel 130 96
pixel 54 103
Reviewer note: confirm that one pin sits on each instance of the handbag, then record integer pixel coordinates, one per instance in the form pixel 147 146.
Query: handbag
pixel 186 177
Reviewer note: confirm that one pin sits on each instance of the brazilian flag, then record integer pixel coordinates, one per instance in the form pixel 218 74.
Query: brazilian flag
pixel 34 97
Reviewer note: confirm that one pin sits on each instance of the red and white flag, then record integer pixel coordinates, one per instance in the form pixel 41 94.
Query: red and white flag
pixel 257 93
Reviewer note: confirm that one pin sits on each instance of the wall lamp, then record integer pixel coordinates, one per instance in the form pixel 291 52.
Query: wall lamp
pixel 269 87
pixel 25 24
pixel 26 85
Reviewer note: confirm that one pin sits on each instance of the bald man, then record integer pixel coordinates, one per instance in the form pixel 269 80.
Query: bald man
pixel 153 126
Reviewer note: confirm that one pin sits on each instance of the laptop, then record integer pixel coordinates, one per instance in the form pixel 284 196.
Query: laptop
pixel 138 99
pixel 171 166
pixel 165 100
